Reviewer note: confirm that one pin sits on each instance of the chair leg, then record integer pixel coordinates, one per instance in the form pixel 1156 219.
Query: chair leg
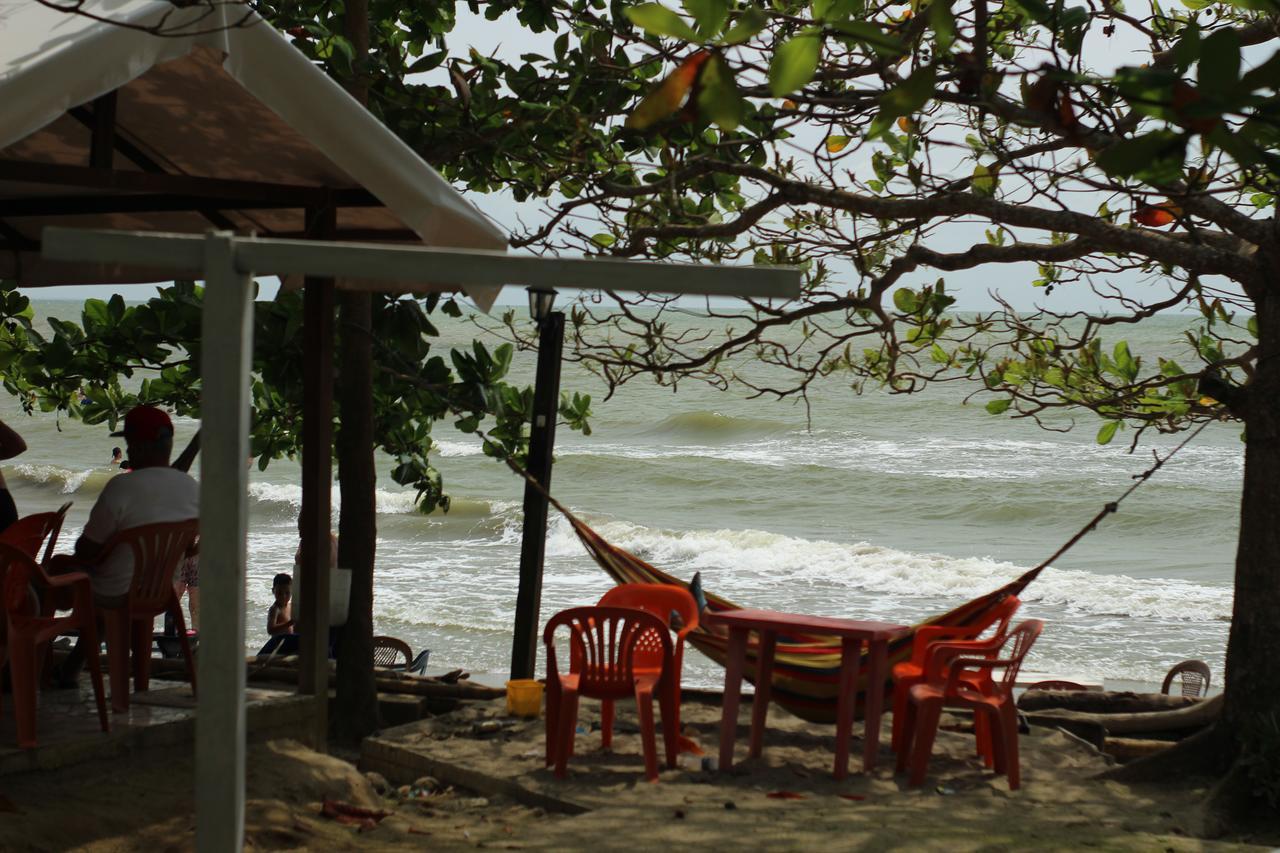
pixel 900 702
pixel 926 729
pixel 606 723
pixel 648 740
pixel 176 609
pixel 22 674
pixel 568 721
pixel 117 622
pixel 552 722
pixel 669 706
pixel 909 714
pixel 140 653
pixel 1009 727
pixel 983 738
pixel 89 630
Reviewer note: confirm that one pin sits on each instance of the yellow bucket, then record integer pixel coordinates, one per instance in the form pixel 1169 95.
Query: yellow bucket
pixel 524 697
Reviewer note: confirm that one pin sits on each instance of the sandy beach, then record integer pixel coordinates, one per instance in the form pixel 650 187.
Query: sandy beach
pixel 786 800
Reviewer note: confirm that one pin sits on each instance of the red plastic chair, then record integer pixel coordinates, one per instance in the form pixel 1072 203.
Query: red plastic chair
pixel 946 685
pixel 660 600
pixel 29 633
pixel 158 549
pixel 28 533
pixel 910 673
pixel 604 644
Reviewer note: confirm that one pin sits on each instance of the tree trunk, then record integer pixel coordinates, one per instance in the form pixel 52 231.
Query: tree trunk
pixel 1251 717
pixel 356 708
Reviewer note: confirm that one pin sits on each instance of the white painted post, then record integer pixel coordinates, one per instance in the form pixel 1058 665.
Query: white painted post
pixel 227 347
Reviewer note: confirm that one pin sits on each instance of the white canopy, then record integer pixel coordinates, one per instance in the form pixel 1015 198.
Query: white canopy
pixel 221 107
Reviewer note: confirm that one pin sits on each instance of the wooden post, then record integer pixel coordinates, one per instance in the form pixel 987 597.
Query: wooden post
pixel 227 332
pixel 317 482
pixel 533 547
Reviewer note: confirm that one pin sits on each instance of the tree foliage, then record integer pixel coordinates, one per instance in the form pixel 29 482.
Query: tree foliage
pixel 119 355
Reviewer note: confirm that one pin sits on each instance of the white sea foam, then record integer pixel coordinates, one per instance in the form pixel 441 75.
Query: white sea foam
pixel 387 502
pixel 68 481
pixel 754 563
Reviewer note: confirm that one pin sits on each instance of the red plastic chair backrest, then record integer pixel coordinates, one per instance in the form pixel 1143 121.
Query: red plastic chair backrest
pixel 660 600
pixel 1014 650
pixel 17 569
pixel 28 533
pixel 1195 678
pixel 1002 614
pixel 604 645
pixel 157 551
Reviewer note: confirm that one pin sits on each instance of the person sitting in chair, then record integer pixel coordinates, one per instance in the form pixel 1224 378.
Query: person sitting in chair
pixel 152 493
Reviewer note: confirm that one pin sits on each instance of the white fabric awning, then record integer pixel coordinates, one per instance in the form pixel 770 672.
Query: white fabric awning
pixel 207 102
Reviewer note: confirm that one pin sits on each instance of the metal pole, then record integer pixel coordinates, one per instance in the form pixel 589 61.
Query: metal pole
pixel 311 607
pixel 533 547
pixel 227 331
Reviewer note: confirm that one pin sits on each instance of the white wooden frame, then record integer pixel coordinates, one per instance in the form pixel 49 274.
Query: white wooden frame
pixel 227 263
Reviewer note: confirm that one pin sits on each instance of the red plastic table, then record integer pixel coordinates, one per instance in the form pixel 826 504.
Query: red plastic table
pixel 853 633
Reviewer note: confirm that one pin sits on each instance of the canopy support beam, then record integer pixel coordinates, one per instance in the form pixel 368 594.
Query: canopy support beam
pixel 224 526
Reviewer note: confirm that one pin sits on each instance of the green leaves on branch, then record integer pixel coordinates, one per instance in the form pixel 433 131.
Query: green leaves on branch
pixel 1156 157
pixel 1108 432
pixel 907 97
pixel 718 98
pixel 795 62
pixel 871 36
pixel 658 20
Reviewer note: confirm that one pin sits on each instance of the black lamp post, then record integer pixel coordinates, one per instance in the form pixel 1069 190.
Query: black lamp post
pixel 546 396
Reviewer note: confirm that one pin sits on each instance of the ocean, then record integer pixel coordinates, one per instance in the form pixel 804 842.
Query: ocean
pixel 890 507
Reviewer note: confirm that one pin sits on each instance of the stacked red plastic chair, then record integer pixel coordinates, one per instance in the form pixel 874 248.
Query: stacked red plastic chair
pixel 910 673
pixel 959 675
pixel 29 633
pixel 605 644
pixel 661 601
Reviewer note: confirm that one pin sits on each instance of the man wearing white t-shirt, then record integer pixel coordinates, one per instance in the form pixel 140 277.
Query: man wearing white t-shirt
pixel 151 493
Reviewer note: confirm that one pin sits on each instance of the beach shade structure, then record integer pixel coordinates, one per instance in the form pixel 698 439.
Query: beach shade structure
pixel 911 672
pixel 605 646
pixel 664 602
pixel 806 670
pixel 157 550
pixel 1194 675
pixel 962 675
pixel 32 532
pixel 30 632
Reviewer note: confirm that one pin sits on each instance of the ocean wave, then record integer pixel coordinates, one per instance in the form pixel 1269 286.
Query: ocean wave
pixel 759 567
pixel 67 481
pixel 933 457
pixel 704 425
pixel 450 449
pixel 288 495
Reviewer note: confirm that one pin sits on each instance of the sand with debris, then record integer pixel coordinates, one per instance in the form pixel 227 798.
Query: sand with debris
pixel 146 803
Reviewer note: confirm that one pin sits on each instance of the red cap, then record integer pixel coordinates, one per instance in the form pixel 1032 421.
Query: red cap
pixel 146 423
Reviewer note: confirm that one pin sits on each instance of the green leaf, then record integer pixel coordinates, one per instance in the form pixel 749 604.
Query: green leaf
pixel 1108 432
pixel 794 63
pixel 911 94
pixel 718 98
pixel 1220 61
pixel 750 22
pixel 998 407
pixel 905 300
pixel 1155 157
pixel 658 20
pixel 873 37
pixel 709 15
pixel 943 22
pixel 986 179
pixel 1187 50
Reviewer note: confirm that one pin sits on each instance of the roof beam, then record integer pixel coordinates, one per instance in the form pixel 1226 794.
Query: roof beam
pixel 102 144
pixel 62 205
pixel 370 266
pixel 208 190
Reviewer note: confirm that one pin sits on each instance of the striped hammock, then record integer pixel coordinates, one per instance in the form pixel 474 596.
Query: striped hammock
pixel 806 669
